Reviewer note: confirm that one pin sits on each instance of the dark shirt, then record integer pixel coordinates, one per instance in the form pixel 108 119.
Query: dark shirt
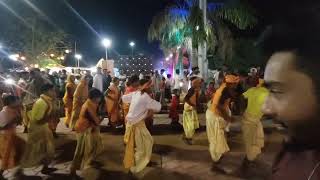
pixel 106 82
pixel 297 162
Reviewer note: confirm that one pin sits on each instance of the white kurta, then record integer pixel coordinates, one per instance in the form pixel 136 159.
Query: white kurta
pixel 98 82
pixel 139 106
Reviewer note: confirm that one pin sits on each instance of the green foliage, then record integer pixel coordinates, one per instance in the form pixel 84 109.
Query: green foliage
pixel 173 29
pixel 237 13
pixel 246 55
pixel 34 37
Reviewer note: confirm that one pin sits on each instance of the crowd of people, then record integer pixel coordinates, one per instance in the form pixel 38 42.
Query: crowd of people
pixel 130 103
pixel 39 102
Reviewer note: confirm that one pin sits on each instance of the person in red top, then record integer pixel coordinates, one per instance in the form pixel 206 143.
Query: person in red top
pixel 292 78
pixel 174 114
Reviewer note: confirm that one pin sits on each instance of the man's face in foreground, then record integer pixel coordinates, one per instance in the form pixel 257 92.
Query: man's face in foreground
pixel 292 98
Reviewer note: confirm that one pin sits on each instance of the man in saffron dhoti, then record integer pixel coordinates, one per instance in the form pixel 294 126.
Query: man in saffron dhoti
pixel 89 143
pixel 112 98
pixel 137 138
pixel 68 98
pixel 218 117
pixel 79 98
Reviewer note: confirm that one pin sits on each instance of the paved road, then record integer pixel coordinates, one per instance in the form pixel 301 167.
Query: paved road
pixel 172 159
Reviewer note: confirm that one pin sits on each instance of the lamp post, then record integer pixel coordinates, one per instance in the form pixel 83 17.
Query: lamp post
pixel 78 57
pixel 132 44
pixel 106 43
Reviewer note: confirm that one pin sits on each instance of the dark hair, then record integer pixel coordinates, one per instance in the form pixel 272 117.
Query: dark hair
pixel 190 93
pixel 9 99
pixel 95 93
pixel 46 87
pixel 143 81
pixel 298 36
pixel 168 75
pixel 132 79
pixel 193 78
pixel 177 71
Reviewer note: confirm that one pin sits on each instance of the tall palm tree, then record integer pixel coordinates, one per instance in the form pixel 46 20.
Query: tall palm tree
pixel 181 24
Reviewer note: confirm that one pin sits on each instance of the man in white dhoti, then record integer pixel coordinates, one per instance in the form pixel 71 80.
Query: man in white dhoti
pixel 137 138
pixel 218 117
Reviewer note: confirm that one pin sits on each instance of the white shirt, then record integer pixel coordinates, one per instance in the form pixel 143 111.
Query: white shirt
pixel 98 82
pixel 141 76
pixel 139 106
pixel 176 82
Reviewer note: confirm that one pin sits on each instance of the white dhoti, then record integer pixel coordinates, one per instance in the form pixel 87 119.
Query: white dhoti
pixel 215 130
pixel 253 136
pixel 190 121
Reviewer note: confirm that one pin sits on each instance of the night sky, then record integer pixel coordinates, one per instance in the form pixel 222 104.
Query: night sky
pixel 120 20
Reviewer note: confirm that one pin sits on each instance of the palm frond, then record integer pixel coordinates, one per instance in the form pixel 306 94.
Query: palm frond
pixel 239 14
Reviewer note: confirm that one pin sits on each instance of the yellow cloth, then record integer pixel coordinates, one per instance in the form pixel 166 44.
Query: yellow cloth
pixel 253 136
pixel 138 136
pixel 40 145
pixel 68 100
pixel 215 130
pixel 256 97
pixel 11 149
pixel 89 147
pixel 79 98
pixel 112 101
pixel 190 120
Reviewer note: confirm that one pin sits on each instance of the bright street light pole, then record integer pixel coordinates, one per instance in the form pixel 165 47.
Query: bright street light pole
pixel 106 43
pixel 78 57
pixel 132 44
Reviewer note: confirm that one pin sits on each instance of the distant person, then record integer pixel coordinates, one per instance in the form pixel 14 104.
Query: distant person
pixel 173 113
pixel 112 98
pixel 98 80
pixel 79 98
pixel 68 99
pixel 107 79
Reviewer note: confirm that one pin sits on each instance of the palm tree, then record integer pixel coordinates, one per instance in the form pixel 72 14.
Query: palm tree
pixel 181 24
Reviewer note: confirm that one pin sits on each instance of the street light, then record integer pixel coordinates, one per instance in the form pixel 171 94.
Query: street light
pixel 132 44
pixel 67 51
pixel 51 55
pixel 78 57
pixel 106 43
pixel 62 58
pixel 167 59
pixel 14 57
pixel 23 58
pixel 171 55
